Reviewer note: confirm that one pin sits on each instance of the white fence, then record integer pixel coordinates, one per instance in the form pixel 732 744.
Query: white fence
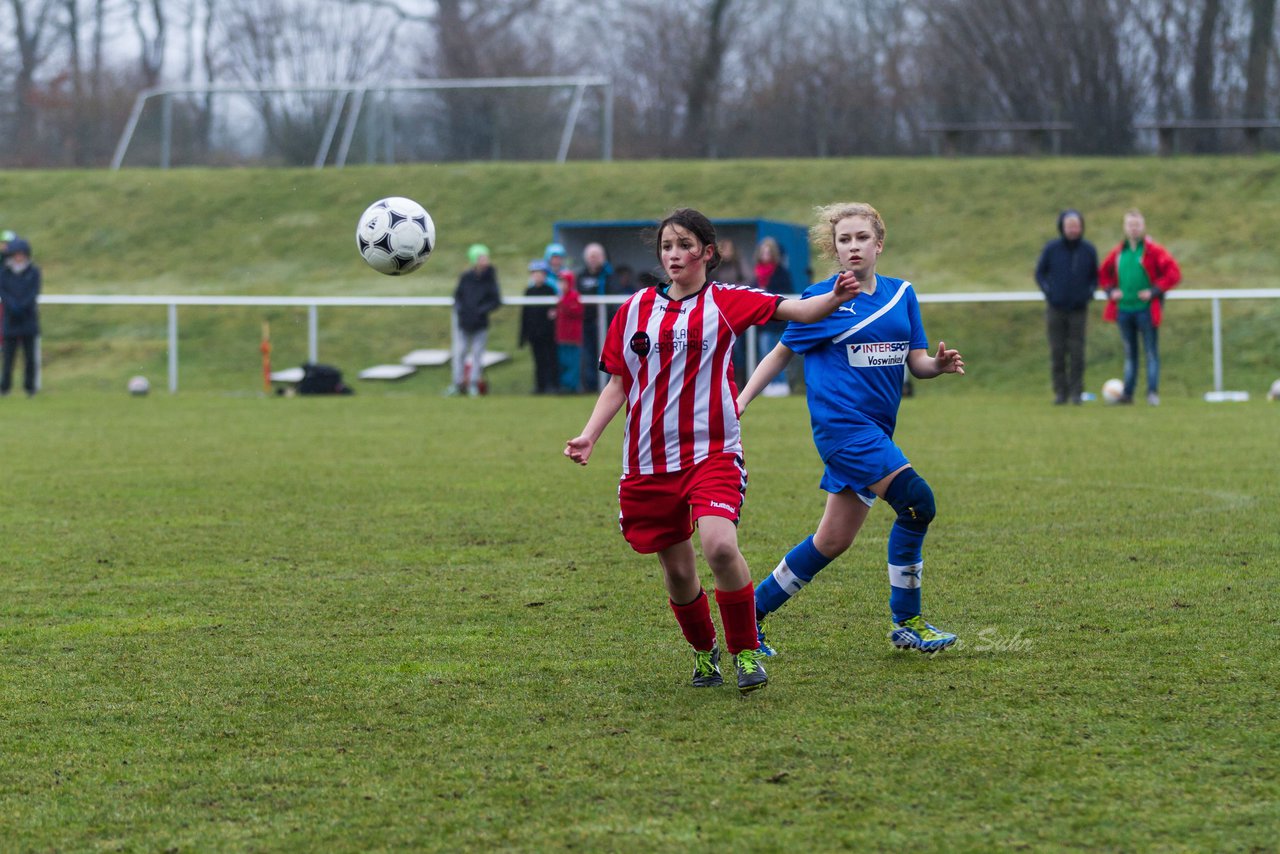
pixel 314 304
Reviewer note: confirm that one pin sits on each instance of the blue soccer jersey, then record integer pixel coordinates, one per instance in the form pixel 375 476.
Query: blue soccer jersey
pixel 855 361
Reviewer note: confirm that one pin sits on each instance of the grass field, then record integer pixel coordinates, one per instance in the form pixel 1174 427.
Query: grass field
pixel 396 622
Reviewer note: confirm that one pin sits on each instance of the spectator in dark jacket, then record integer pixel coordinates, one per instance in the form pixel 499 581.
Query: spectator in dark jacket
pixel 19 292
pixel 1067 273
pixel 476 297
pixel 538 330
pixel 593 280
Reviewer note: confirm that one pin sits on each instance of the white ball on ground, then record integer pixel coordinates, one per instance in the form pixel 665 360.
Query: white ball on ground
pixel 1113 390
pixel 138 386
pixel 1274 393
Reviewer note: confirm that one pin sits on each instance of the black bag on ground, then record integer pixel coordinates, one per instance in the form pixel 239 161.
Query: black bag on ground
pixel 322 379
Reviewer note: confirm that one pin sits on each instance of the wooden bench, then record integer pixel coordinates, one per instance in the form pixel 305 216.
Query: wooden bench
pixel 946 136
pixel 1167 131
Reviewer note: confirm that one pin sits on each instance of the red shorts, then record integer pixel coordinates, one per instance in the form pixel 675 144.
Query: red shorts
pixel 660 510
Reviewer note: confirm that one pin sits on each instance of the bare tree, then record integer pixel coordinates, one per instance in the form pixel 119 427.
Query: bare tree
pixel 1203 68
pixel 1261 43
pixel 828 79
pixel 703 87
pixel 474 39
pixel 150 25
pixel 1035 60
pixel 33 32
pixel 291 42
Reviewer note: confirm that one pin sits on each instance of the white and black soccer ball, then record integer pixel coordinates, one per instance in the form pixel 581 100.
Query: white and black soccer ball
pixel 138 386
pixel 1274 392
pixel 395 235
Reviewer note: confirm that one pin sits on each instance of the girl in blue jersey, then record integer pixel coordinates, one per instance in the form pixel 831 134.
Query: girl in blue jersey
pixel 853 368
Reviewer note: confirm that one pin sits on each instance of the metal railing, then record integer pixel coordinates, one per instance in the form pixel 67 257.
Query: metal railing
pixel 314 304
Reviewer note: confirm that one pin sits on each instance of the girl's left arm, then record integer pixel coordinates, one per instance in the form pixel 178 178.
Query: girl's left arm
pixel 923 366
pixel 611 399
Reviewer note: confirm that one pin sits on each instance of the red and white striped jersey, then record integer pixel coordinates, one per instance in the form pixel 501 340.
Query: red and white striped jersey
pixel 675 358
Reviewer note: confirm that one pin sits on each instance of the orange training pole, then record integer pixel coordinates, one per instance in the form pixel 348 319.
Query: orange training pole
pixel 266 356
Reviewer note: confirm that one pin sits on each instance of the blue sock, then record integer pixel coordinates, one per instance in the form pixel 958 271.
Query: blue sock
pixel 906 563
pixel 796 570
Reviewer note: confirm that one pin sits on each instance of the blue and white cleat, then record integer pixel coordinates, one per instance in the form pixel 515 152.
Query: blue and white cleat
pixel 915 633
pixel 765 649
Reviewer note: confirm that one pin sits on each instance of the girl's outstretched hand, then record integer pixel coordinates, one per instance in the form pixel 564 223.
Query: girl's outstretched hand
pixel 948 361
pixel 847 285
pixel 579 449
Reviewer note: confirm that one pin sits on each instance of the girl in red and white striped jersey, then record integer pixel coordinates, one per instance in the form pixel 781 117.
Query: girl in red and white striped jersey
pixel 669 353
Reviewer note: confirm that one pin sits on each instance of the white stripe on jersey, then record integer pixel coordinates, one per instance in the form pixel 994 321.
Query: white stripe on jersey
pixel 675 383
pixel 902 289
pixel 703 388
pixel 641 395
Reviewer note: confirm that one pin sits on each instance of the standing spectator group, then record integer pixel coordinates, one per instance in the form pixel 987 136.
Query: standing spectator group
pixel 565 337
pixel 1135 275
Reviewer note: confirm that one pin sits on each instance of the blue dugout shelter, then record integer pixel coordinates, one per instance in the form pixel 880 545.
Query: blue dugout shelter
pixel 624 241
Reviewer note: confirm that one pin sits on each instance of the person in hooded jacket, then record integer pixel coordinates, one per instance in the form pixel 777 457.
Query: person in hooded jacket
pixel 476 297
pixel 19 294
pixel 1067 274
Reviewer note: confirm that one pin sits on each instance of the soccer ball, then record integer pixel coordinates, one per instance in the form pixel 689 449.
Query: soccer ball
pixel 138 386
pixel 395 235
pixel 1274 393
pixel 1112 390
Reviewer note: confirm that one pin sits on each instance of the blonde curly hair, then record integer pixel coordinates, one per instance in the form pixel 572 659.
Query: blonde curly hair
pixel 823 232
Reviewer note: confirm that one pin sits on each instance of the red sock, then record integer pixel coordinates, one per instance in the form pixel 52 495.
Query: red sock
pixel 695 621
pixel 738 614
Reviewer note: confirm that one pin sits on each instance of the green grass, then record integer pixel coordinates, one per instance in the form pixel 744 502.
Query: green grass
pixel 395 622
pixel 954 225
pixel 231 622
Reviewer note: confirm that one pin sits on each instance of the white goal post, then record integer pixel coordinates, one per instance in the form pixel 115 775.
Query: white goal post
pixel 356 94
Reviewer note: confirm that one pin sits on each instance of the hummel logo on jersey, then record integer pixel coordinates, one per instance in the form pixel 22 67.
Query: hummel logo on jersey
pixel 878 354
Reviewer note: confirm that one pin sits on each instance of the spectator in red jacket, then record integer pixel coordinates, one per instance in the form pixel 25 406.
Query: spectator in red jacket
pixel 569 315
pixel 1136 275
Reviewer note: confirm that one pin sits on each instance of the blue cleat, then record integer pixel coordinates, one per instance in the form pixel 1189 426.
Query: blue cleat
pixel 765 649
pixel 915 633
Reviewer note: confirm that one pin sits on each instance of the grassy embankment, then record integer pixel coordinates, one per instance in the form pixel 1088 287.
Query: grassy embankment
pixel 954 225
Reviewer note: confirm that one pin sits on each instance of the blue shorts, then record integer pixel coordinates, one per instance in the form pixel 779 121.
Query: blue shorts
pixel 870 457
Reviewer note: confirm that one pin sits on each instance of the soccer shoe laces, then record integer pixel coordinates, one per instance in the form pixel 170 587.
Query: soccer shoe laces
pixel 747 660
pixel 702 662
pixel 926 631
